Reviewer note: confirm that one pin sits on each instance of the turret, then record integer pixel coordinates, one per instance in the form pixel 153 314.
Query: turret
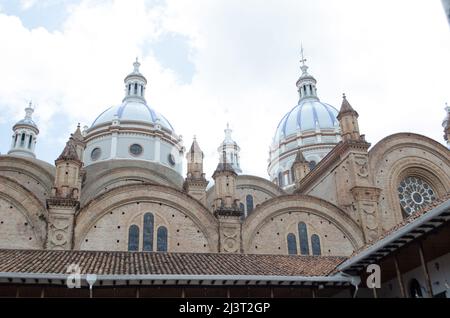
pixel 68 170
pixel 226 207
pixel 195 183
pixel 348 120
pixel 300 168
pixel 225 186
pixel 65 200
pixel 231 149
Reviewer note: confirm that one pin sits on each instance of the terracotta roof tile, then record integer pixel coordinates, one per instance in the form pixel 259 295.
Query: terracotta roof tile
pixel 130 263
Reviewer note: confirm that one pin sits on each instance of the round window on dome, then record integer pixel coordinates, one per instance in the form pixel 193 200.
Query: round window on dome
pixel 171 159
pixel 136 150
pixel 95 154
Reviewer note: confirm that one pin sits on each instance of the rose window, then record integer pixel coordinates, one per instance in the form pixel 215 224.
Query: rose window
pixel 414 194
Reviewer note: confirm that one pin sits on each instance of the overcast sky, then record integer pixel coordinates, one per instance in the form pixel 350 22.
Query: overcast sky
pixel 212 62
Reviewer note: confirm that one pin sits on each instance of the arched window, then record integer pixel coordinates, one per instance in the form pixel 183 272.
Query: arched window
pixel 149 221
pixel 315 245
pixel 135 88
pixel 133 238
pixel 249 201
pixel 415 291
pixel 30 141
pixel 161 243
pixel 286 178
pixel 22 140
pixel 129 89
pixel 303 237
pixel 15 141
pixel 280 179
pixel 293 173
pixel 292 244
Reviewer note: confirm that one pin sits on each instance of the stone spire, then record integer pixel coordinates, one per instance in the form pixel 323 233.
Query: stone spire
pixel 348 120
pixel 226 207
pixel 446 125
pixel 69 153
pixel 300 168
pixel 78 142
pixel 195 183
pixel 135 85
pixel 65 199
pixel 25 135
pixel 231 149
pixel 225 179
pixel 306 84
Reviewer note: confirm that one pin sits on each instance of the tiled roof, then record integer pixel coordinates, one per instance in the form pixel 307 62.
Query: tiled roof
pixel 411 219
pixel 134 263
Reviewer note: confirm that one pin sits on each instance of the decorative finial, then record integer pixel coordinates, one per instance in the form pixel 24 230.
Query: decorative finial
pixel 79 126
pixel 195 137
pixel 344 96
pixel 29 110
pixel 136 65
pixel 303 67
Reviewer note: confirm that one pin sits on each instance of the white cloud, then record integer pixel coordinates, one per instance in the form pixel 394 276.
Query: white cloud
pixel 27 4
pixel 392 63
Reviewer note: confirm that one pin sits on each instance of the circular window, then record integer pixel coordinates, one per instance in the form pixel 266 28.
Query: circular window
pixel 95 154
pixel 414 194
pixel 136 150
pixel 171 160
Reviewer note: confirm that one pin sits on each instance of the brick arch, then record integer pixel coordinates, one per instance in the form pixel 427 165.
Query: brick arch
pixel 106 202
pixel 27 204
pixel 402 155
pixel 304 204
pixel 39 173
pixel 114 173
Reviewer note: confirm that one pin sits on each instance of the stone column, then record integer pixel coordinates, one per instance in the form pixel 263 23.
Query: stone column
pixel 229 231
pixel 366 201
pixel 60 227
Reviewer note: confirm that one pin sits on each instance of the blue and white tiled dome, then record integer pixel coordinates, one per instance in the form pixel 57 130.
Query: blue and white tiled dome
pixel 311 127
pixel 134 131
pixel 135 112
pixel 309 115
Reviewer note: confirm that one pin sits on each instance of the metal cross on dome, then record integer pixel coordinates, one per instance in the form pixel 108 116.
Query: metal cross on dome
pixel 303 60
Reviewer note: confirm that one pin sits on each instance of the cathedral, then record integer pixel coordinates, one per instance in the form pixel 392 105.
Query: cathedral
pixel 116 206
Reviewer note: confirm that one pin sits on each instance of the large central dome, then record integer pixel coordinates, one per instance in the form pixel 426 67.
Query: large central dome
pixel 309 114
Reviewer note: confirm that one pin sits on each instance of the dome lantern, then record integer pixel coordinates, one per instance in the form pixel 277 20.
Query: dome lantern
pixel 306 84
pixel 25 135
pixel 135 84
